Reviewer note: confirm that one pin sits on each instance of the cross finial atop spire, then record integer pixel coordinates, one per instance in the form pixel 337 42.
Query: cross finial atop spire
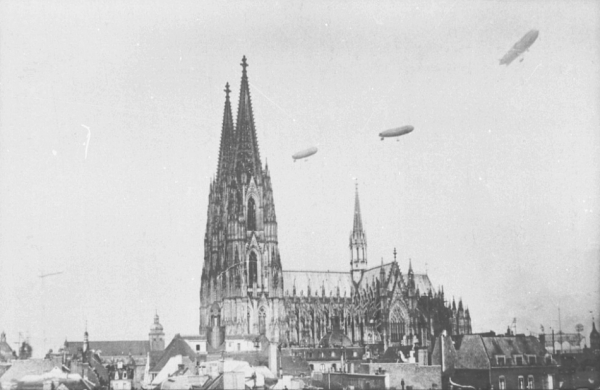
pixel 227 91
pixel 394 254
pixel 244 64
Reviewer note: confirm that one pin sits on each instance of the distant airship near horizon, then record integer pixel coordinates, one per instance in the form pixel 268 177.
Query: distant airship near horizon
pixel 304 153
pixel 396 132
pixel 520 47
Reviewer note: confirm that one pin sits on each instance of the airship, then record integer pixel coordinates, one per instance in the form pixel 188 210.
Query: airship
pixel 520 47
pixel 396 132
pixel 305 153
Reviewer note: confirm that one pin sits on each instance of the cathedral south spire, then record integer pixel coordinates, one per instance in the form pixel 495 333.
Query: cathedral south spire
pixel 242 281
pixel 358 244
pixel 246 157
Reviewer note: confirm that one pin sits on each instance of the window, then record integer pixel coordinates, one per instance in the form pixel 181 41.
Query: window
pixel 239 346
pixel 253 271
pixel 332 353
pixel 197 347
pixel 532 359
pixel 251 214
pixel 354 354
pixel 521 383
pixel 501 383
pixel 500 360
pixel 262 320
pixel 519 360
pixel 530 382
pixel 322 368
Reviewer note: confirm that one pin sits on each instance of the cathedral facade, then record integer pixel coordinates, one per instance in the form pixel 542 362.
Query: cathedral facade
pixel 245 293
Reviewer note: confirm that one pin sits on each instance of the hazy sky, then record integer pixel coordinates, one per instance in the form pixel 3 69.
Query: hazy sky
pixel 496 192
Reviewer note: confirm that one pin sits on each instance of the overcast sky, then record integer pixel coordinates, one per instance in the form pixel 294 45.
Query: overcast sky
pixel 496 193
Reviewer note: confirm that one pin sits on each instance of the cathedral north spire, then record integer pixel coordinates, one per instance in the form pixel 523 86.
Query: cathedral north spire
pixel 227 135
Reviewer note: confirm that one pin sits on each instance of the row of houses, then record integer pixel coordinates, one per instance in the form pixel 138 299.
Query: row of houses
pixel 480 361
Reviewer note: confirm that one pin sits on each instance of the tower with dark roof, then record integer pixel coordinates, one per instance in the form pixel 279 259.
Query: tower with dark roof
pixel 358 244
pixel 242 284
pixel 156 335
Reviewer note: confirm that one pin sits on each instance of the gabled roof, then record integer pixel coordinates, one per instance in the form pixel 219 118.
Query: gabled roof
pixel 470 353
pixel 177 346
pixel 512 345
pixel 422 283
pixel 316 280
pixel 372 275
pixel 21 368
pixel 111 348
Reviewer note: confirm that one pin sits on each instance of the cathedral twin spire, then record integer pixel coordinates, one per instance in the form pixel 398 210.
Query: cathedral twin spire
pixel 238 152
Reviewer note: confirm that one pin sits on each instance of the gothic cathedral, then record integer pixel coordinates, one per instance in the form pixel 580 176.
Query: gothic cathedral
pixel 246 295
pixel 241 289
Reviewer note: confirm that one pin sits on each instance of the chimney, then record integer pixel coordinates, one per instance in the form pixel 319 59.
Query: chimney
pixel 542 338
pixel 422 357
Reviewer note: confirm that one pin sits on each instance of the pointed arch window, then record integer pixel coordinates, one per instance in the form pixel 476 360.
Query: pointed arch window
pixel 251 225
pixel 252 274
pixel 262 321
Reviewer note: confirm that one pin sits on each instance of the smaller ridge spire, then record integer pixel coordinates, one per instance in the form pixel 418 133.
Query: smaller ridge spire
pixel 358 227
pixel 410 270
pixel 395 255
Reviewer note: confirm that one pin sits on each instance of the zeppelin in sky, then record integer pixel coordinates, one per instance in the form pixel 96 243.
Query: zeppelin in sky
pixel 305 153
pixel 520 47
pixel 396 132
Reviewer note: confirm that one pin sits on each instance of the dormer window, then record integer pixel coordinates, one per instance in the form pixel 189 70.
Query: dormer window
pixel 532 359
pixel 519 360
pixel 500 360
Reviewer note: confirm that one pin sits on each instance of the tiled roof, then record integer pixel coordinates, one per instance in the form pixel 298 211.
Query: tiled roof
pixel 372 275
pixel 20 368
pixel 177 346
pixel 317 280
pixel 513 345
pixel 154 358
pixel 294 365
pixel 112 348
pixel 423 283
pixel 331 280
pixel 470 353
pixel 6 351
